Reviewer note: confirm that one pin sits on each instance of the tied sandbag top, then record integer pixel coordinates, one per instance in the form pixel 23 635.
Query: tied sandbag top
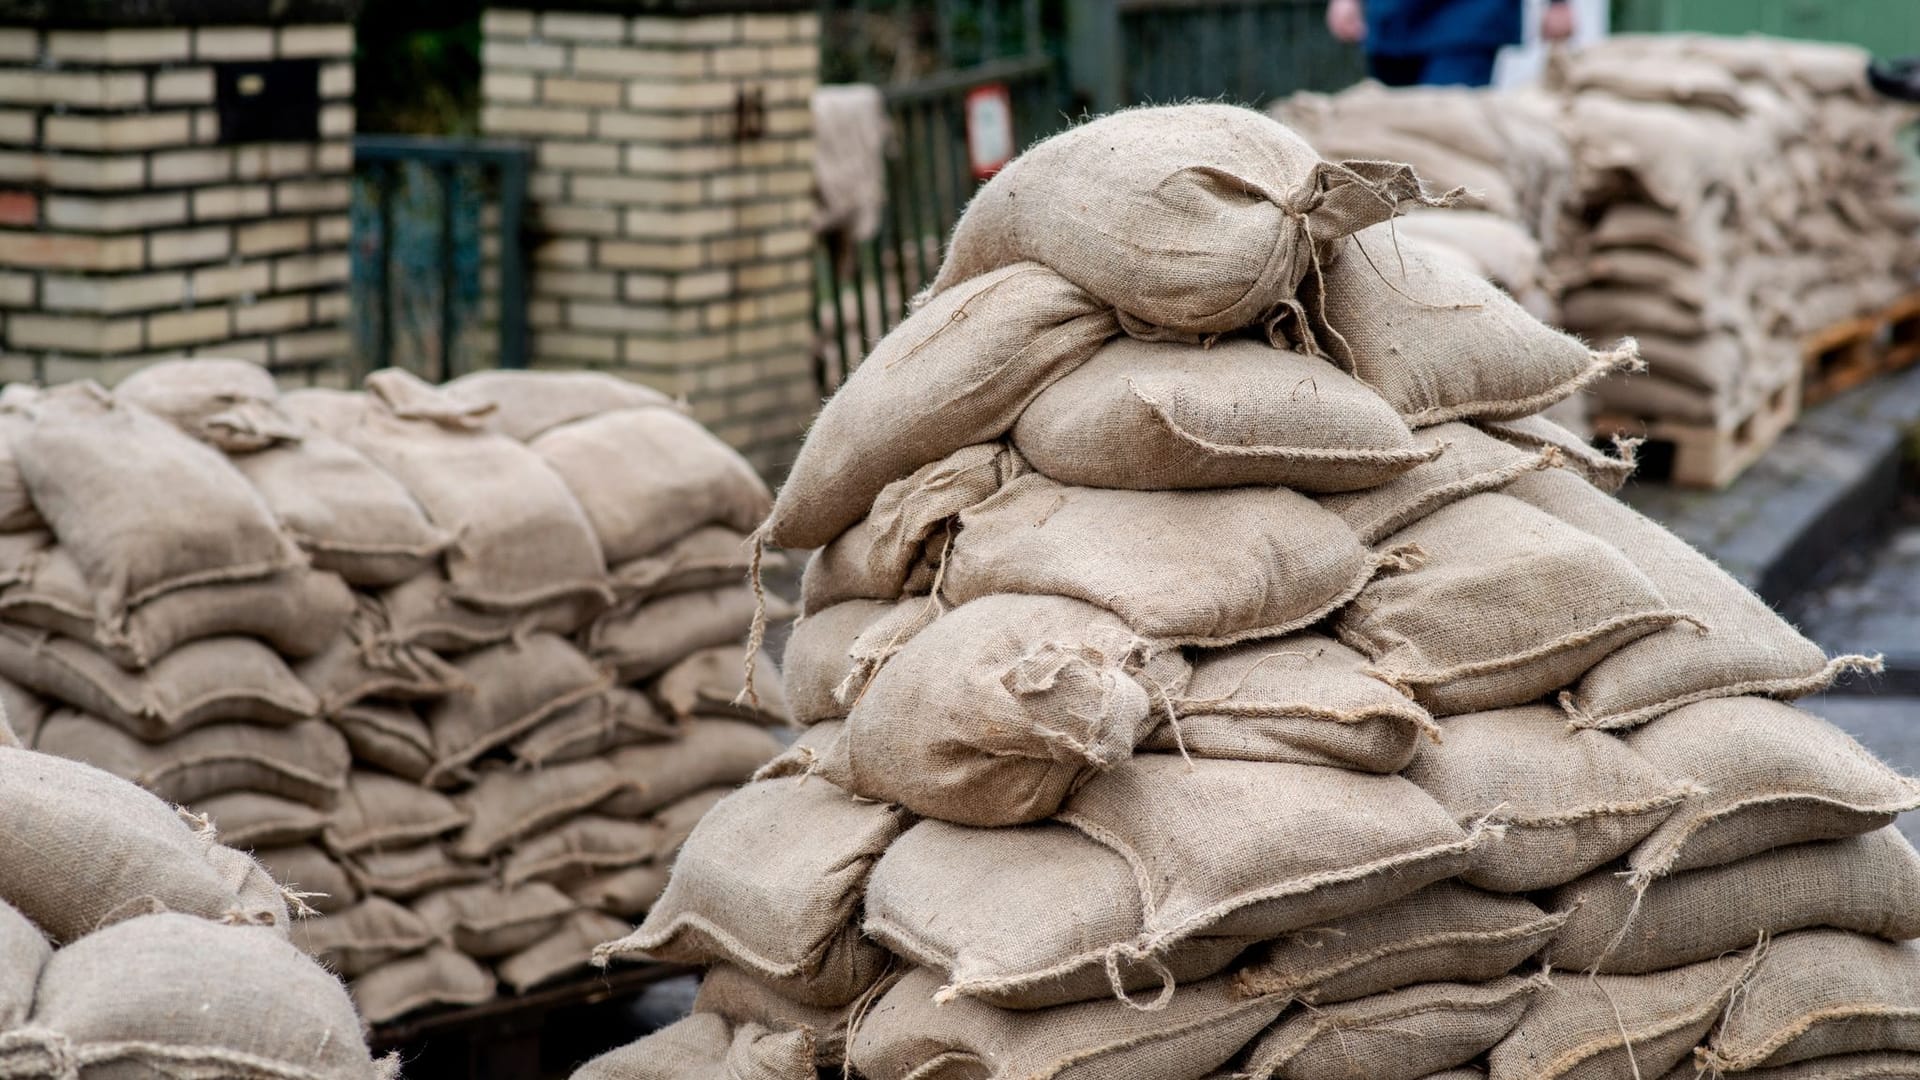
pixel 1199 219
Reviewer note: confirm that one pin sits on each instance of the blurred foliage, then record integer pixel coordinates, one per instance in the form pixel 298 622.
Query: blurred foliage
pixel 417 68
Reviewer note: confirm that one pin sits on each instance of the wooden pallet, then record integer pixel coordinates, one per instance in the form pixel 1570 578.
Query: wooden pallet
pixel 1852 351
pixel 1705 455
pixel 1903 332
pixel 1842 356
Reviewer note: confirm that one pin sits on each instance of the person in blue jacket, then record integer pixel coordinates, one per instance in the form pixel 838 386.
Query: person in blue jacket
pixel 1438 42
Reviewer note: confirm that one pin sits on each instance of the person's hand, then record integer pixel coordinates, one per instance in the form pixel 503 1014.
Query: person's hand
pixel 1347 21
pixel 1556 23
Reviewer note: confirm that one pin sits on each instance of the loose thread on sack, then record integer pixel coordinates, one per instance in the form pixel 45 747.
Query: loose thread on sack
pixel 749 694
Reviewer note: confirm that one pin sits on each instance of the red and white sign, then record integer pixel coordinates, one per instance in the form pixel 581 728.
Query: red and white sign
pixel 989 129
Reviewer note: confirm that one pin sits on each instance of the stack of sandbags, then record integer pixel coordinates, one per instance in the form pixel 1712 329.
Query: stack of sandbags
pixel 1213 666
pixel 132 943
pixel 1503 147
pixel 457 664
pixel 1736 194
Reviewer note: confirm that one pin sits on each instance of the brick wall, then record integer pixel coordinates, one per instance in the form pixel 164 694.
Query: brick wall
pixel 671 199
pixel 129 232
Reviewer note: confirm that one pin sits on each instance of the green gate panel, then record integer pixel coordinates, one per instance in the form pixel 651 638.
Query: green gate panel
pixel 1888 27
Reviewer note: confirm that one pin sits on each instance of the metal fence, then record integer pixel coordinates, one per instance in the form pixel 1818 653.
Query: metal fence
pixel 419 263
pixel 1137 52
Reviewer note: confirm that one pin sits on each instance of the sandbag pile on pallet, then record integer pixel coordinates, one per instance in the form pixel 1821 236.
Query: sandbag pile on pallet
pixel 1739 194
pixel 459 663
pixel 132 943
pixel 1212 665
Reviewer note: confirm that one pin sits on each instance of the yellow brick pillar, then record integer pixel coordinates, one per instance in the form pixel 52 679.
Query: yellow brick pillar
pixel 671 198
pixel 173 182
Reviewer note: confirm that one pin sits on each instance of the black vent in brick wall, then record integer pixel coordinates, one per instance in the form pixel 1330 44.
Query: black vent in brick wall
pixel 268 101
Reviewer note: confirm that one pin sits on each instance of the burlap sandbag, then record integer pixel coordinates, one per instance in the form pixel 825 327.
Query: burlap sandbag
pixel 142 508
pixel 1018 952
pixel 705 1047
pixel 1746 648
pixel 689 478
pixel 1818 993
pixel 1303 698
pixel 640 640
pixel 771 880
pixel 23 711
pixel 377 810
pixel 202 682
pixel 565 951
pixel 743 998
pixel 23 951
pixel 387 735
pixel 1886 1065
pixel 438 976
pixel 710 682
pixel 675 821
pixel 251 819
pixel 1206 219
pixel 306 762
pixel 520 537
pixel 996 711
pixel 1179 567
pixel 1446 932
pixel 832 653
pixel 372 932
pixel 360 664
pixel 1611 306
pixel 487 920
pixel 1472 463
pixel 310 873
pixel 347 513
pixel 628 893
pixel 529 403
pixel 174 995
pixel 1506 605
pixel 1867 884
pixel 298 612
pixel 607 721
pixel 17 512
pixel 83 848
pixel 708 556
pixel 1568 801
pixel 1774 775
pixel 1218 849
pixel 508 804
pixel 504 692
pixel 425 611
pixel 1605 471
pixel 1438 343
pixel 1404 1035
pixel 403 873
pixel 901 542
pixel 1157 415
pixel 959 371
pixel 229 404
pixel 580 847
pixel 905 1034
pixel 1602 1027
pixel 708 753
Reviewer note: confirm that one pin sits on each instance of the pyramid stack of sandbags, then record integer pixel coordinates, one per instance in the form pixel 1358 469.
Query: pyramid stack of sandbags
pixel 1737 194
pixel 459 664
pixel 1212 666
pixel 132 943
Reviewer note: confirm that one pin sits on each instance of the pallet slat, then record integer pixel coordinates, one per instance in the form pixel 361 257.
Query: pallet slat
pixel 1706 455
